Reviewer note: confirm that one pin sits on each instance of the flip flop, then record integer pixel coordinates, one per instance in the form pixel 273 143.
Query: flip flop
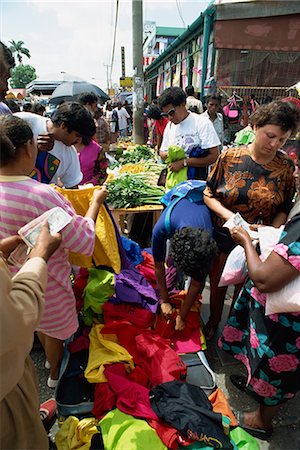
pixel 258 433
pixel 239 381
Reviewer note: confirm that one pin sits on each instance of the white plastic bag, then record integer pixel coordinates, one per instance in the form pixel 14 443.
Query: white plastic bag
pixel 286 300
pixel 235 269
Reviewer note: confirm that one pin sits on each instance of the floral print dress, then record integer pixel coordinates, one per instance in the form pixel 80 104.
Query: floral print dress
pixel 268 346
pixel 258 192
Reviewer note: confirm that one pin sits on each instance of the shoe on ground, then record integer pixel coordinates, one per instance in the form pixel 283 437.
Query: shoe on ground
pixel 52 383
pixel 48 413
pixel 239 381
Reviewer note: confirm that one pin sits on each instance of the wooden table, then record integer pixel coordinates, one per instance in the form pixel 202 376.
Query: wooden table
pixel 119 214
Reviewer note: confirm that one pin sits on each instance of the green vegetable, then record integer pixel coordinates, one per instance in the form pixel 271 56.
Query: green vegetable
pixel 129 191
pixel 141 152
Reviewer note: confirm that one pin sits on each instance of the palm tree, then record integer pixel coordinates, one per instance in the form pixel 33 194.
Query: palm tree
pixel 17 47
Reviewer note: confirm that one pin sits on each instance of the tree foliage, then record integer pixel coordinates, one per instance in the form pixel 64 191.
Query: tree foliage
pixel 22 75
pixel 17 48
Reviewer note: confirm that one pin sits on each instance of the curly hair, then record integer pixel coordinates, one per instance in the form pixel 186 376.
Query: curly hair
pixel 172 96
pixel 75 117
pixel 282 114
pixel 193 251
pixel 14 133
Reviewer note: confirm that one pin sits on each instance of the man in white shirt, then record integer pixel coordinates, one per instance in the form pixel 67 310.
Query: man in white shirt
pixel 57 160
pixel 189 131
pixel 192 103
pixel 123 117
pixel 213 103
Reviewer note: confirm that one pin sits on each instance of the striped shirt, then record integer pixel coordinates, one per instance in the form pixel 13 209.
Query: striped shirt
pixel 22 200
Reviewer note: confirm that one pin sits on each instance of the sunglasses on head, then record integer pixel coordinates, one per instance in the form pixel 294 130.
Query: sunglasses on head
pixel 171 113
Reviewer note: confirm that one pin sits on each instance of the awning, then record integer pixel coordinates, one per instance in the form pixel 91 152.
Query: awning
pixel 279 33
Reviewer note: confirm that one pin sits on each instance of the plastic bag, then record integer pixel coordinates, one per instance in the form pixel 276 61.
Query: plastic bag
pixel 173 178
pixel 243 440
pixel 235 270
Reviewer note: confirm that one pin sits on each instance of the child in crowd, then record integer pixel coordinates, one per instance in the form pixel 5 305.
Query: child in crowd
pixel 22 199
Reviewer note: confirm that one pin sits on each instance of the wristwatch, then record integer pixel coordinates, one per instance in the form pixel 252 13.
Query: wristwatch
pixel 185 162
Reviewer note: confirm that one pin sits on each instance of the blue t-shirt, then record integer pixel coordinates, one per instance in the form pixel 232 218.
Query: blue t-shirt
pixel 184 214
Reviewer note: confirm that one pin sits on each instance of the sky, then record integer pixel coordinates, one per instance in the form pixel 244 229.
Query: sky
pixel 76 37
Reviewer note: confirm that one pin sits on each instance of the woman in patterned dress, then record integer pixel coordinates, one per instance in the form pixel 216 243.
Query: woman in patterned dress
pixel 268 346
pixel 256 181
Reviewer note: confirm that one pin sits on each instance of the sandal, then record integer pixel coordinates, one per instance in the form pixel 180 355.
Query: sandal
pixel 259 433
pixel 209 330
pixel 239 381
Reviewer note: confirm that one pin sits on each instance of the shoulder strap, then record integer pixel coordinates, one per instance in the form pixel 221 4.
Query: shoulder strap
pixel 168 216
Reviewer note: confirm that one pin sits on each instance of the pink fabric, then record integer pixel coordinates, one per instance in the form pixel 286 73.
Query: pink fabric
pixel 23 201
pixel 87 158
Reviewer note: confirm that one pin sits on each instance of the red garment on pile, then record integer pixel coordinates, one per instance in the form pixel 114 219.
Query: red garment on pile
pixel 147 268
pixel 158 360
pixel 80 282
pixel 104 400
pixel 135 314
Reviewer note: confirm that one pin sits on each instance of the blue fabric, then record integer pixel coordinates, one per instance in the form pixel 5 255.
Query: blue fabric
pixel 132 250
pixel 191 190
pixel 198 173
pixel 184 214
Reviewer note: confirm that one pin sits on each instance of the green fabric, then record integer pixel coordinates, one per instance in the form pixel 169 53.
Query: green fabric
pixel 173 178
pixel 244 137
pixel 121 431
pixel 243 440
pixel 99 289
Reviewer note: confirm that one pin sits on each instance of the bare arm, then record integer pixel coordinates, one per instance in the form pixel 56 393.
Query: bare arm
pixel 98 200
pixel 268 276
pixel 214 205
pixel 279 220
pixel 160 274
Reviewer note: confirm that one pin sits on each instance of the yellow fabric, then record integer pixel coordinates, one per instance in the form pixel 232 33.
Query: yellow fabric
pixel 106 251
pixel 75 434
pixel 103 351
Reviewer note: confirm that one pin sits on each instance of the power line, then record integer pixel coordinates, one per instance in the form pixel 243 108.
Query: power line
pixel 114 42
pixel 180 12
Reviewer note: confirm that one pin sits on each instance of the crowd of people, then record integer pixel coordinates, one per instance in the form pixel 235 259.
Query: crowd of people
pixel 258 181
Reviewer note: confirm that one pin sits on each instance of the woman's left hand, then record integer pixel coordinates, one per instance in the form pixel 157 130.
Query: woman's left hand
pixel 240 235
pixel 179 324
pixel 176 165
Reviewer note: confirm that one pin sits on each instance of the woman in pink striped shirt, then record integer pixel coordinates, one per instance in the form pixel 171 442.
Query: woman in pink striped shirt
pixel 22 200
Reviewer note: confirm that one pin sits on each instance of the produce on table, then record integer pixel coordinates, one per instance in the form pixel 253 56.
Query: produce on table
pixel 132 168
pixel 129 191
pixel 140 152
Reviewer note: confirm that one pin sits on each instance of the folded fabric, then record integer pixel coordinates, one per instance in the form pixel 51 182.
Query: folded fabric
pixel 103 351
pixel 135 314
pixel 99 288
pixel 132 287
pixel 104 400
pixel 106 251
pixel 75 434
pixel 186 407
pixel 158 359
pixel 121 431
pixel 132 250
pixel 197 173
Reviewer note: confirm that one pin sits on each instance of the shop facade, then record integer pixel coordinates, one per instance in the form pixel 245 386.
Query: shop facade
pixel 247 47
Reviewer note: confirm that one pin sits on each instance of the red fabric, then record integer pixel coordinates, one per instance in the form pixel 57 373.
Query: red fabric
pixel 168 435
pixel 80 343
pixel 80 282
pixel 135 314
pixel 146 268
pixel 158 360
pixel 104 400
pixel 161 125
pixel 132 398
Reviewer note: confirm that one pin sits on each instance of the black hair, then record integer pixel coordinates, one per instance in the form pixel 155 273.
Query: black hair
pixel 87 98
pixel 27 106
pixel 189 90
pixel 279 113
pixel 217 98
pixel 154 112
pixel 14 133
pixel 75 117
pixel 7 61
pixel 193 251
pixel 38 107
pixel 172 96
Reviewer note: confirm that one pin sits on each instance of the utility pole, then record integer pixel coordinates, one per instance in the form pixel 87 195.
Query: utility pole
pixel 107 78
pixel 138 76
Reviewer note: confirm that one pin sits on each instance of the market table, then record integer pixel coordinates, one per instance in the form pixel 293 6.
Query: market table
pixel 119 214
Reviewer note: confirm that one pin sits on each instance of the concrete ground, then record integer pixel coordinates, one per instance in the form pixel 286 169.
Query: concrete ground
pixel 286 434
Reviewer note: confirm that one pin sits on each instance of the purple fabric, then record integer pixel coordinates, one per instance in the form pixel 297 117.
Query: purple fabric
pixel 132 287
